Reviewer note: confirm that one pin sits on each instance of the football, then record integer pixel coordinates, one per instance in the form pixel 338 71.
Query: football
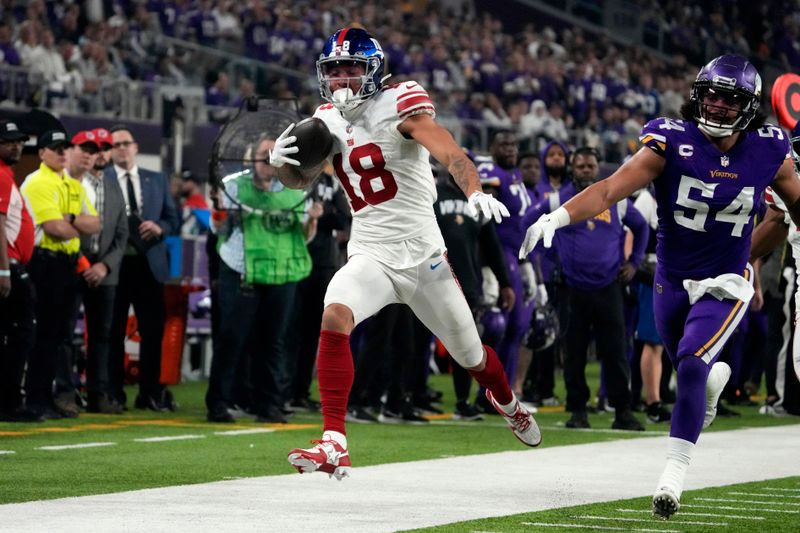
pixel 314 141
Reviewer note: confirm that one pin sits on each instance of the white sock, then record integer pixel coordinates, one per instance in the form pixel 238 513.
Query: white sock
pixel 679 453
pixel 510 408
pixel 336 437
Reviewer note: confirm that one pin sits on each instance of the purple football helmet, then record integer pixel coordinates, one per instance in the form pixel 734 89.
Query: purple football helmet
pixel 544 328
pixel 734 79
pixel 492 326
pixel 352 45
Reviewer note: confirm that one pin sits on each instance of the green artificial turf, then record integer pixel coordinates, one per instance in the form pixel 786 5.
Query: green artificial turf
pixel 31 473
pixel 777 511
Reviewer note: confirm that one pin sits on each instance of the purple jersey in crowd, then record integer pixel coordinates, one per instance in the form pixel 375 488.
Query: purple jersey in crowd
pixel 706 197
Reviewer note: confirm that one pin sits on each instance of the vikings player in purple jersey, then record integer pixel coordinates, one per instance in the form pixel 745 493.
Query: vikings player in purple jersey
pixel 708 170
pixel 504 179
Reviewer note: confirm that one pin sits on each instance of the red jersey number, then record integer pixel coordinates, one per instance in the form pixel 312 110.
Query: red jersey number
pixel 369 196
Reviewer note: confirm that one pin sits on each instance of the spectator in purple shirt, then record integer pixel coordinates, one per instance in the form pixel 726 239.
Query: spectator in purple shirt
pixel 218 85
pixel 488 76
pixel 256 33
pixel 204 24
pixel 579 89
pixel 170 14
pixel 395 51
pixel 8 54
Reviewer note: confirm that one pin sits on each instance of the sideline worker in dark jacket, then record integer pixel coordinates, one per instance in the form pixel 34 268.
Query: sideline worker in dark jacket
pixel 145 267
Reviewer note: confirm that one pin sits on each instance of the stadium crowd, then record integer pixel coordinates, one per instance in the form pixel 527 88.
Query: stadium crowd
pixel 545 83
pixel 558 101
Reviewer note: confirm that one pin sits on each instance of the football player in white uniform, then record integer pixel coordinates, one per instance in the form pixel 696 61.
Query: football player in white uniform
pixel 383 137
pixel 777 227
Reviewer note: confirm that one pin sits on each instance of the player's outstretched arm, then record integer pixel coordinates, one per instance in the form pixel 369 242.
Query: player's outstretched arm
pixel 769 234
pixel 787 185
pixel 438 141
pixel 640 170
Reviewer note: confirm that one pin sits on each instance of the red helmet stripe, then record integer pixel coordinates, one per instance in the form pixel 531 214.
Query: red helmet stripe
pixel 340 38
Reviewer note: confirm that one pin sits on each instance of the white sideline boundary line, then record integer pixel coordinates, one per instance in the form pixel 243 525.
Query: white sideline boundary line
pixel 7 452
pixel 398 496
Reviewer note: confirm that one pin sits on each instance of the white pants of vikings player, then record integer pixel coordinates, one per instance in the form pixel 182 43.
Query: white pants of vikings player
pixel 430 289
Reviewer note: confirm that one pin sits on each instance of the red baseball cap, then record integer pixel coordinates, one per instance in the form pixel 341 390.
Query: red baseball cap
pixel 102 136
pixel 84 137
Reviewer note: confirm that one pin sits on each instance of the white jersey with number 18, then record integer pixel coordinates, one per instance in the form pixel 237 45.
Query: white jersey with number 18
pixel 387 177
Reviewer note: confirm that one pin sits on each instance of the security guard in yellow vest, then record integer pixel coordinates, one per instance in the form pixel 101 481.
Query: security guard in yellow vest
pixel 61 213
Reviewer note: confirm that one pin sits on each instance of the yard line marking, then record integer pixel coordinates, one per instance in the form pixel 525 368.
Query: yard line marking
pixel 587 526
pixel 734 500
pixel 75 446
pixel 781 489
pixel 649 520
pixel 7 452
pixel 710 515
pixel 173 437
pixel 763 494
pixel 244 431
pixel 730 508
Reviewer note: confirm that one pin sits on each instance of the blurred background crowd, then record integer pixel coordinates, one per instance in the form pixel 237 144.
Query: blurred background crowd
pixel 584 72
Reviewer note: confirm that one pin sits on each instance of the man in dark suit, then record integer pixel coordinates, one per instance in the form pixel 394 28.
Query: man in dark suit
pixel 104 250
pixel 151 217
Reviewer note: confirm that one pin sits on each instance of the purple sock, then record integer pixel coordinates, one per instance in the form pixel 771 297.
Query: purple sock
pixel 690 405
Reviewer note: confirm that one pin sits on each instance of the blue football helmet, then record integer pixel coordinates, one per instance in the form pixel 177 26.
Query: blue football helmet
pixel 735 79
pixel 351 45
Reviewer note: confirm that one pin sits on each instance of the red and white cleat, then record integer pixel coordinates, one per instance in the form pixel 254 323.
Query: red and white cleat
pixel 327 456
pixel 522 423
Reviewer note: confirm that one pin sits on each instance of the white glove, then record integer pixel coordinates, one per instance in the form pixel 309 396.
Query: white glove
pixel 543 229
pixel 283 147
pixel 528 277
pixel 480 202
pixel 541 296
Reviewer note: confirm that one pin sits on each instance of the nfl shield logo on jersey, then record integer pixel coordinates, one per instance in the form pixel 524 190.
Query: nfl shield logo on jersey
pixel 724 161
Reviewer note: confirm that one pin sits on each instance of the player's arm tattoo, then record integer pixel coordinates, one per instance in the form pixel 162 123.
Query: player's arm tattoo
pixel 298 178
pixel 464 173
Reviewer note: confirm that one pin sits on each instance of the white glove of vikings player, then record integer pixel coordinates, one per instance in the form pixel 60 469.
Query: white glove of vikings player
pixel 283 147
pixel 544 229
pixel 487 204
